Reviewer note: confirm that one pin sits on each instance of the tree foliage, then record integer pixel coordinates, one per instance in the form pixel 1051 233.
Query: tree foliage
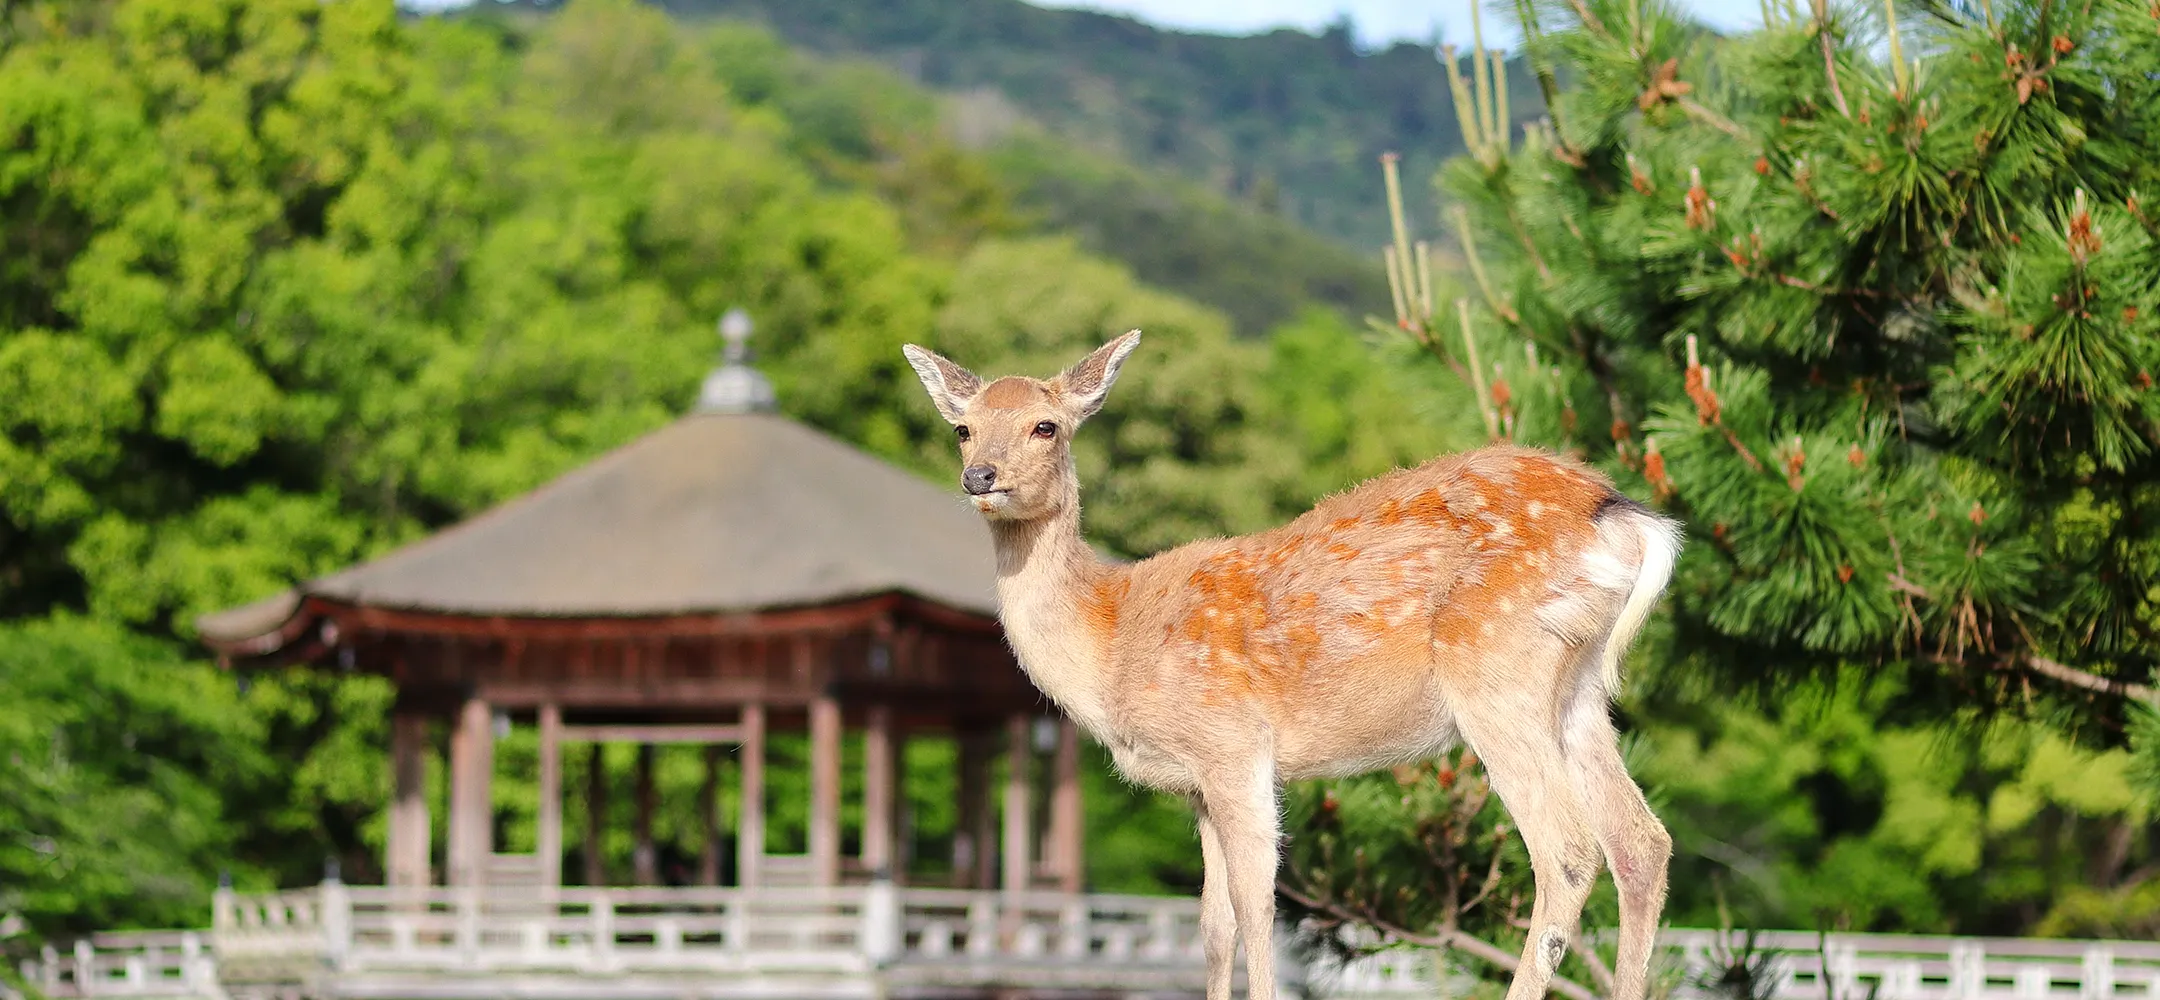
pixel 1871 307
pixel 284 285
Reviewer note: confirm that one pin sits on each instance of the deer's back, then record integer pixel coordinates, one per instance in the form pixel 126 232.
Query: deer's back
pixel 1363 597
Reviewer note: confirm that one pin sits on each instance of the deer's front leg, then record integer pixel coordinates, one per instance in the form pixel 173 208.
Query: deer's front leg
pixel 1218 918
pixel 1241 810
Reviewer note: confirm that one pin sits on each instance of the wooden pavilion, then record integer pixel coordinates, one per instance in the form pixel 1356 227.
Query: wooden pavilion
pixel 728 576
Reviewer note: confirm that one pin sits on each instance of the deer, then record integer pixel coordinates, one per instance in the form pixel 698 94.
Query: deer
pixel 1484 599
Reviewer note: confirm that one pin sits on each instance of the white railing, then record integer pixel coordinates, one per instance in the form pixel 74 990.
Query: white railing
pixel 1806 966
pixel 943 938
pixel 146 964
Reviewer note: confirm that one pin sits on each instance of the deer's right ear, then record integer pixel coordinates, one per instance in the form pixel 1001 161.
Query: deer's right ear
pixel 950 386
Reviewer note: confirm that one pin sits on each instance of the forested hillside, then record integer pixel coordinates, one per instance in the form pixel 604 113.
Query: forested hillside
pixel 861 123
pixel 1286 123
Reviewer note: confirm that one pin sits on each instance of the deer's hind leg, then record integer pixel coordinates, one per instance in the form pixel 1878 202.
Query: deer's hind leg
pixel 1514 729
pixel 1635 843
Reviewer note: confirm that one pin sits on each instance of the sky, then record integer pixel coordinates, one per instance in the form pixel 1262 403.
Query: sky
pixel 1376 22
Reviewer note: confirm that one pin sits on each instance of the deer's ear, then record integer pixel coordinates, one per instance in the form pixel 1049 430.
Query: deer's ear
pixel 1088 382
pixel 950 386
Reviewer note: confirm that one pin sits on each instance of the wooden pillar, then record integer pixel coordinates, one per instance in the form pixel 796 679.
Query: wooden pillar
pixel 825 790
pixel 973 838
pixel 708 804
pixel 750 829
pixel 595 814
pixel 547 841
pixel 407 859
pixel 472 764
pixel 1065 813
pixel 1017 852
pixel 903 818
pixel 878 854
pixel 644 857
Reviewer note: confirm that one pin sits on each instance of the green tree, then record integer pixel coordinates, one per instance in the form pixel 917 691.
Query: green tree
pixel 105 736
pixel 1878 325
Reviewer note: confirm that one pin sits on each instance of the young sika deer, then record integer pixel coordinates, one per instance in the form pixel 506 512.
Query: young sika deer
pixel 1486 596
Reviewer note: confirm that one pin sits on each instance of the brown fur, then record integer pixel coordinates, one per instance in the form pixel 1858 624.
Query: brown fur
pixel 1482 597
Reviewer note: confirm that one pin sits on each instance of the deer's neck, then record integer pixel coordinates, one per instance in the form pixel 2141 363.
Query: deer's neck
pixel 1058 604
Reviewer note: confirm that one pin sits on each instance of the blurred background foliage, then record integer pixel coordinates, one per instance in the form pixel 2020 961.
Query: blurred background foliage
pixel 284 284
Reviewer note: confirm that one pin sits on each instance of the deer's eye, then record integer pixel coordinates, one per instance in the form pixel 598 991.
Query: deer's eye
pixel 1045 429
pixel 962 431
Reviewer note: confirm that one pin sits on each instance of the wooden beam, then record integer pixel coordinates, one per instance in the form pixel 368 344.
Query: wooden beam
pixel 408 851
pixel 595 814
pixel 672 693
pixel 548 840
pixel 1065 812
pixel 750 830
pixel 300 639
pixel 825 791
pixel 644 856
pixel 877 841
pixel 652 734
pixel 1018 850
pixel 826 618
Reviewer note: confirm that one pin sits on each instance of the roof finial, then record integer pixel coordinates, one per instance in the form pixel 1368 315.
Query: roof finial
pixel 735 387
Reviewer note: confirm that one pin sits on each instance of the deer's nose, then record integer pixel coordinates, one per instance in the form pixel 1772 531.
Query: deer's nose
pixel 978 479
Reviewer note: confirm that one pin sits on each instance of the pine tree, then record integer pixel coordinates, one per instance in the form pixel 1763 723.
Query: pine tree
pixel 1870 299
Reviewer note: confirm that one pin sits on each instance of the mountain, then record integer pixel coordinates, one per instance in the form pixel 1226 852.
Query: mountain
pixel 1288 123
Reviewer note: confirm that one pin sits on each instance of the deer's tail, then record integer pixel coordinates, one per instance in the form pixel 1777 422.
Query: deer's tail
pixel 1658 540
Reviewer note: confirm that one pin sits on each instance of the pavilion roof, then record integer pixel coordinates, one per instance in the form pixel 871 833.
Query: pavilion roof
pixel 727 510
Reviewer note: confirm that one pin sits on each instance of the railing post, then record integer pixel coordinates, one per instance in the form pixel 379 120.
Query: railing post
pixel 2098 982
pixel 882 934
pixel 1968 970
pixel 48 969
pixel 603 931
pixel 1076 942
pixel 197 970
pixel 85 969
pixel 223 916
pixel 468 926
pixel 1843 968
pixel 738 921
pixel 336 917
pixel 982 924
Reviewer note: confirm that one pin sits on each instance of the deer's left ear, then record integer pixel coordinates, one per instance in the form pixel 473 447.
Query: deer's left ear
pixel 1088 382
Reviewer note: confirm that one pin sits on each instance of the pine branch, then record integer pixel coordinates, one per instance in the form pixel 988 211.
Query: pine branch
pixel 1477 377
pixel 2090 681
pixel 1446 940
pixel 1711 118
pixel 1468 238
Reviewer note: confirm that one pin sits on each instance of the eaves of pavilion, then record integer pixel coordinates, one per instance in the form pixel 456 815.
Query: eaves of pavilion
pixel 730 575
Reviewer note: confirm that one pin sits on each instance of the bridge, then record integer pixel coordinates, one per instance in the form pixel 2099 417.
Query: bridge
pixel 885 941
